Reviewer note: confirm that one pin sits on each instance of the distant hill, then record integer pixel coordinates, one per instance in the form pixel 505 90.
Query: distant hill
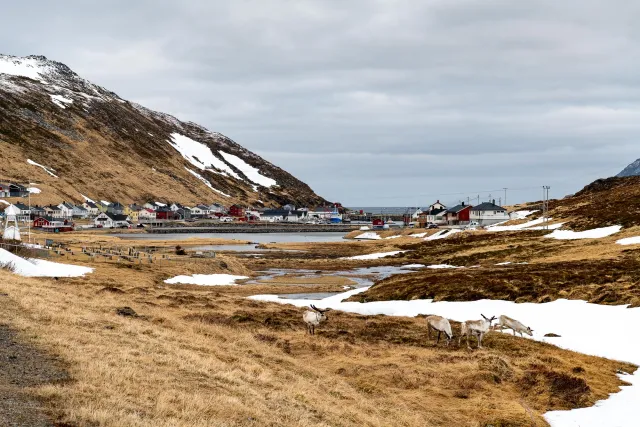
pixel 632 170
pixel 75 138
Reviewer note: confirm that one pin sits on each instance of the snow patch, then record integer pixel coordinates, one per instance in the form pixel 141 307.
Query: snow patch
pixel 442 234
pixel 5 202
pixel 104 202
pixel 206 279
pixel 34 190
pixel 41 268
pixel 368 236
pixel 249 171
pixel 22 67
pixel 438 266
pixel 200 155
pixel 206 182
pixel 373 256
pixel 393 237
pixel 596 233
pixel 50 171
pixel 61 101
pixel 599 339
pixel 629 241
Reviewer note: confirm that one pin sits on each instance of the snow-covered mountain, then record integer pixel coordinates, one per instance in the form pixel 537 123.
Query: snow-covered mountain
pixel 76 138
pixel 632 170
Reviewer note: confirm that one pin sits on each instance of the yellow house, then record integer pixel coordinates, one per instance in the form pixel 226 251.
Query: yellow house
pixel 132 211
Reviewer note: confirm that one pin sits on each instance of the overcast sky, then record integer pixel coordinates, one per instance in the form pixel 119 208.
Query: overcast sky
pixel 373 103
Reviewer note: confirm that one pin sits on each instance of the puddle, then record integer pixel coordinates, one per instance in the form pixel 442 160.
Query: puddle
pixel 363 277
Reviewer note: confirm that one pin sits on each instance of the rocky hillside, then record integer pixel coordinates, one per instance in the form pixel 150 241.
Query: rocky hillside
pixel 74 139
pixel 632 170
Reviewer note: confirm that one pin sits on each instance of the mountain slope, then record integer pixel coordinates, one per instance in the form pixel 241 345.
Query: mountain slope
pixel 75 138
pixel 632 170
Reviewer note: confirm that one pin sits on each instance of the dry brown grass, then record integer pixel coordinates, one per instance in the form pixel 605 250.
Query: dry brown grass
pixel 206 356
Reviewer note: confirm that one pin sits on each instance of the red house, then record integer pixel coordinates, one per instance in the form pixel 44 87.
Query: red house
pixel 236 211
pixel 377 223
pixel 459 214
pixel 40 222
pixel 166 213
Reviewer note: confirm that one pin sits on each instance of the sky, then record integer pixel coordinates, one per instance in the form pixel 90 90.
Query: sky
pixel 373 102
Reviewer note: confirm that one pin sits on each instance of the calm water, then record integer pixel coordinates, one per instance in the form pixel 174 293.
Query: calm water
pixel 252 237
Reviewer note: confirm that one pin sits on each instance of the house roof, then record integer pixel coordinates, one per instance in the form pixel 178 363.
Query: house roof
pixel 435 211
pixel 91 205
pixel 67 205
pixel 488 206
pixel 115 217
pixel 21 206
pixel 458 208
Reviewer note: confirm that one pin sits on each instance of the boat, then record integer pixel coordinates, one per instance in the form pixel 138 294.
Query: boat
pixel 335 217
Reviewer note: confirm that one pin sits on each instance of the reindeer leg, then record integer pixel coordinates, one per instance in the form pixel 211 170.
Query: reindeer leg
pixel 468 346
pixel 438 340
pixel 428 332
pixel 480 335
pixel 514 332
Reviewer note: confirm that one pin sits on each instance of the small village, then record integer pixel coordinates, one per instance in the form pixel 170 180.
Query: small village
pixel 66 216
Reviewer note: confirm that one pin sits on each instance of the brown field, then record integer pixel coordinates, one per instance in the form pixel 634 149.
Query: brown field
pixel 207 356
pixel 202 356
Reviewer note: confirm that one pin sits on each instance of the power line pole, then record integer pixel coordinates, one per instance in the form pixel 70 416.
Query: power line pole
pixel 545 206
pixel 505 195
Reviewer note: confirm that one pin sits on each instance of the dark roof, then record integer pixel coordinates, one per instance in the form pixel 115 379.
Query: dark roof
pixel 21 206
pixel 488 206
pixel 458 208
pixel 115 217
pixel 435 211
pixel 91 204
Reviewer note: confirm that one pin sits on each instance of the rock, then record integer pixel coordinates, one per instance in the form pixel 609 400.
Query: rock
pixel 126 311
pixel 552 335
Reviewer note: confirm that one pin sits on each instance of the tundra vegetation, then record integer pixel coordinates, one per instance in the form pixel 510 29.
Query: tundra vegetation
pixel 197 355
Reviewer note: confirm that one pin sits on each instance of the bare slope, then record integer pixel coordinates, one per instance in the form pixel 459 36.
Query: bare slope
pixel 97 144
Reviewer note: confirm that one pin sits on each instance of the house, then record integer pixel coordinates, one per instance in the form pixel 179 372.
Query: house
pixel 289 207
pixel 17 190
pixel 236 211
pixel 48 222
pixel 433 216
pixel 216 208
pixel 273 215
pixel 488 213
pixel 116 208
pixel 25 212
pixel 102 206
pixel 165 213
pixel 458 215
pixel 321 213
pixel 109 220
pixel 150 205
pixel 296 216
pixel 175 207
pixel 146 215
pixel 54 211
pixel 436 205
pixel 80 212
pixel 132 211
pixel 37 211
pixel 67 209
pixel 92 208
pixel 184 213
pixel 4 189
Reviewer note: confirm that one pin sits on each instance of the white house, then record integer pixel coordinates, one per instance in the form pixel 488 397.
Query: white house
pixel 108 220
pixel 67 209
pixel 146 214
pixel 436 205
pixel 151 206
pixel 175 207
pixel 488 213
pixel 25 213
pixel 80 212
pixel 91 208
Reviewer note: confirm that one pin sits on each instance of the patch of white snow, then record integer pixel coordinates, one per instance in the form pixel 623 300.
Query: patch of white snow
pixel 249 171
pixel 206 182
pixel 629 241
pixel 46 169
pixel 596 233
pixel 200 155
pixel 368 236
pixel 61 101
pixel 206 279
pixel 373 256
pixel 41 268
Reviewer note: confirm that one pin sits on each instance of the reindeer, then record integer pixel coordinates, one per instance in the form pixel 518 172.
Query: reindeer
pixel 477 328
pixel 441 325
pixel 506 322
pixel 314 318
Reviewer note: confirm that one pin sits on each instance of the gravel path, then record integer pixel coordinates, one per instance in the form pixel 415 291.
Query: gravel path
pixel 23 366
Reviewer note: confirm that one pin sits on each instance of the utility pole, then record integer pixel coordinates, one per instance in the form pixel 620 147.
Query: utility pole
pixel 545 206
pixel 505 195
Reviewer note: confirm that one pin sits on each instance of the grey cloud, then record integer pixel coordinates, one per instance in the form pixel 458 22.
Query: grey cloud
pixel 373 102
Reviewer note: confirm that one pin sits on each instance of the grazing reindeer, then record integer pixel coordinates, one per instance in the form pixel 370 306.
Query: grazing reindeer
pixel 506 322
pixel 477 328
pixel 441 325
pixel 314 318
